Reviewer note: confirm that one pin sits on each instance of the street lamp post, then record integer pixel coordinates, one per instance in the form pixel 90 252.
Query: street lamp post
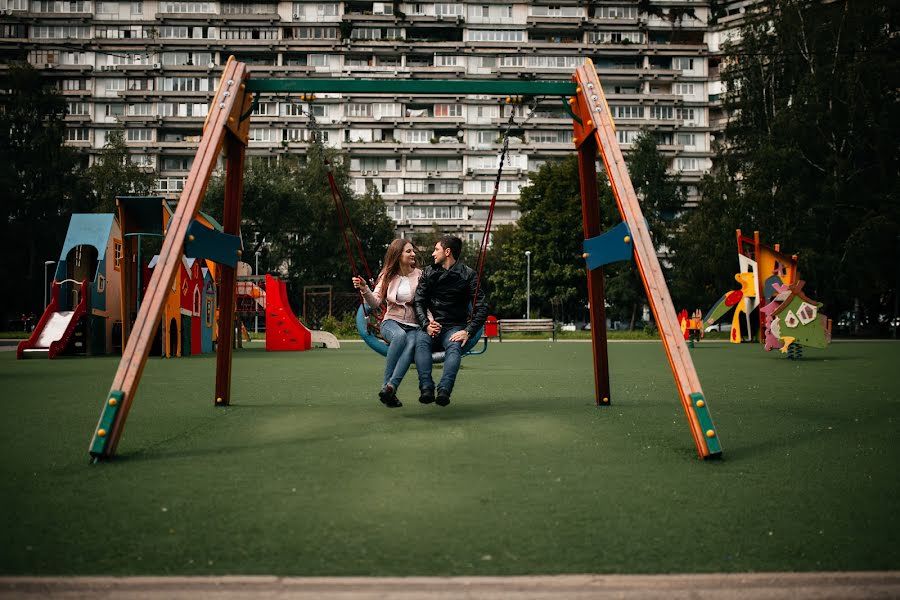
pixel 528 284
pixel 47 263
pixel 256 308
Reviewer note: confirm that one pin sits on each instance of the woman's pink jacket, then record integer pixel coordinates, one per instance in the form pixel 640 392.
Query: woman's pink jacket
pixel 396 311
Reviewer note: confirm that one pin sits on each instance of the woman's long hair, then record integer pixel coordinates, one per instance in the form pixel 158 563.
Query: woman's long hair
pixel 392 260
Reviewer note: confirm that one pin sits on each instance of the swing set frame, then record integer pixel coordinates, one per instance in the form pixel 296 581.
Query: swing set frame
pixel 227 129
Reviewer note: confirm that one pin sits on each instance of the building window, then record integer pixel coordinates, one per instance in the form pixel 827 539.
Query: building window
pixel 139 135
pixel 688 140
pixel 627 111
pixel 662 113
pixel 170 185
pixel 77 108
pixel 682 63
pixel 617 12
pixel 419 136
pixel 496 35
pixel 209 312
pixel 359 110
pixel 688 115
pixel 447 110
pixel 627 136
pixel 77 134
pixel 117 254
pixel 310 33
pixel 687 164
pixel 186 7
pixel 448 9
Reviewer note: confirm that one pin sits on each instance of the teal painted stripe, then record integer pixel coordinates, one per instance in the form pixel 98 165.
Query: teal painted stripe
pixel 107 417
pixel 414 86
pixel 706 423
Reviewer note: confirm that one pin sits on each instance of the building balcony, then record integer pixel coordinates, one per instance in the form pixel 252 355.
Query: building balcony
pixel 554 22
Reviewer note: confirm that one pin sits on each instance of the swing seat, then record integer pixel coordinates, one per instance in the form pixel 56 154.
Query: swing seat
pixel 381 347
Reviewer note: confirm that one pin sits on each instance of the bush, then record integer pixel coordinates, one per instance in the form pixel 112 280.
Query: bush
pixel 345 327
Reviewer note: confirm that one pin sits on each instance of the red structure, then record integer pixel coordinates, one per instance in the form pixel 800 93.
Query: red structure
pixel 191 302
pixel 283 330
pixel 492 327
pixel 52 333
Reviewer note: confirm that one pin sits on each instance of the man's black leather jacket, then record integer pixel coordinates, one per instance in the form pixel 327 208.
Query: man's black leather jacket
pixel 448 294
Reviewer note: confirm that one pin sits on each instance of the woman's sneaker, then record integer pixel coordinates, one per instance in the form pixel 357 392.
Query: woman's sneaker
pixel 388 397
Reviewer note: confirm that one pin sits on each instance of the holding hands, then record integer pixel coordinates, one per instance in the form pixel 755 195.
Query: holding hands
pixel 433 329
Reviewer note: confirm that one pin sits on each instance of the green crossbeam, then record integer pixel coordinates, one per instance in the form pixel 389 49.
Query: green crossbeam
pixel 451 87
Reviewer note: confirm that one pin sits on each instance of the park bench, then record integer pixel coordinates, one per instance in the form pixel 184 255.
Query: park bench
pixel 527 326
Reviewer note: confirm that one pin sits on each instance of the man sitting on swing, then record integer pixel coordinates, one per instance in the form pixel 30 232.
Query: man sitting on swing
pixel 447 289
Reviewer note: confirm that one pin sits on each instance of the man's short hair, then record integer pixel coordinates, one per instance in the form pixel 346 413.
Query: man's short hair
pixel 453 243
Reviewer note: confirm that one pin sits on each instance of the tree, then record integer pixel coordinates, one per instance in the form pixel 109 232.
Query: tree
pixel 704 254
pixel 549 227
pixel 812 90
pixel 113 174
pixel 41 185
pixel 661 199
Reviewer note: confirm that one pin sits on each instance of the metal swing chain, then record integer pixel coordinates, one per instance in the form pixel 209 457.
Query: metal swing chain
pixel 504 156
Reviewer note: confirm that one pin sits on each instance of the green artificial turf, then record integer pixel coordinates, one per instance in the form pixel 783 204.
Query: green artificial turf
pixel 308 474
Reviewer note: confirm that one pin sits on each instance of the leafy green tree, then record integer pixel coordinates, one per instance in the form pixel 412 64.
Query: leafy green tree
pixel 550 227
pixel 704 253
pixel 814 138
pixel 113 174
pixel 41 185
pixel 661 197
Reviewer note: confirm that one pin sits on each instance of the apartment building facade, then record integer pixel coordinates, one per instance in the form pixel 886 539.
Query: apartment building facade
pixel 150 67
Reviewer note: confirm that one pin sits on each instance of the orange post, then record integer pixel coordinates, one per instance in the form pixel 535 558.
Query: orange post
pixel 229 104
pixel 595 122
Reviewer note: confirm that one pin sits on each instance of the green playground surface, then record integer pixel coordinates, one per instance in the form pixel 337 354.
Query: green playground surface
pixel 306 473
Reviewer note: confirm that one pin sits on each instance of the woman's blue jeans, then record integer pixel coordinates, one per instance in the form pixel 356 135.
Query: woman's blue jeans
pixel 401 346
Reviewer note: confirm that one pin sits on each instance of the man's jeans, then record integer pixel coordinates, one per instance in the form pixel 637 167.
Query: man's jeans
pixel 425 345
pixel 401 345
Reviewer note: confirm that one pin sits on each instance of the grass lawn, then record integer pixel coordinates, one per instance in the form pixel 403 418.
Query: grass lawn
pixel 308 474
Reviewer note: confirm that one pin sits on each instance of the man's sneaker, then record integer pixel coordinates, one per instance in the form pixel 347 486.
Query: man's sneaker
pixel 443 398
pixel 389 398
pixel 426 396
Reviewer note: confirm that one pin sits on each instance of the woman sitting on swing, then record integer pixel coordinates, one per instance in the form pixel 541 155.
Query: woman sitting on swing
pixel 397 284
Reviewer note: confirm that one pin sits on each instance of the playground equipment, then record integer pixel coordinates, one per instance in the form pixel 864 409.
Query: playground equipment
pixel 792 320
pixel 84 291
pixel 228 126
pixel 55 330
pixel 368 326
pixel 691 327
pixel 283 330
pixel 769 281
pixel 187 322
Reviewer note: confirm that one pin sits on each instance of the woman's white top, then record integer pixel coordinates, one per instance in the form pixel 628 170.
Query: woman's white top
pixel 404 290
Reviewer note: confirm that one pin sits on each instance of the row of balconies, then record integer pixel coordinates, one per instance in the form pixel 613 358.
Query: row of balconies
pixel 275 18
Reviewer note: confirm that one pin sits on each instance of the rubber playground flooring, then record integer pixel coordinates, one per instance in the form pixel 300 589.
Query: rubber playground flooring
pixel 307 474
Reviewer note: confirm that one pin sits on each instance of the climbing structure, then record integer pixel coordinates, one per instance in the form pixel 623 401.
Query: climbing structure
pixel 769 280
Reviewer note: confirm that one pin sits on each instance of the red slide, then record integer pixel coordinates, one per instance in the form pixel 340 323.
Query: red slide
pixel 52 333
pixel 283 330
